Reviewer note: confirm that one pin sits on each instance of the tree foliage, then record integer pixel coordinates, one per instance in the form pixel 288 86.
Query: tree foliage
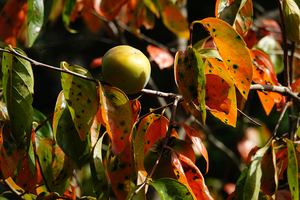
pixel 96 126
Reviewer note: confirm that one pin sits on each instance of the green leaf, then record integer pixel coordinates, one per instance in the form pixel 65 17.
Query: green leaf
pixel 190 79
pixel 35 19
pixel 67 13
pixel 81 97
pixel 268 43
pixel 291 13
pixel 248 184
pixel 169 188
pixel 66 134
pixel 292 170
pixel 100 182
pixel 44 152
pixel 229 13
pixel 18 93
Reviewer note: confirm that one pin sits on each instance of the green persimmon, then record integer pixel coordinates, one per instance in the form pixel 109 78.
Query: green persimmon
pixel 126 68
pixel 164 168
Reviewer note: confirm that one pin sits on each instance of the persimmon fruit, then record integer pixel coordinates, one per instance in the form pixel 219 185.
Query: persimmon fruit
pixel 127 68
pixel 164 168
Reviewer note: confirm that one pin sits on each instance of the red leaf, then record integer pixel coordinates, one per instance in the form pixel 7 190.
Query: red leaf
pixel 12 21
pixel 136 109
pixel 162 57
pixel 97 62
pixel 296 86
pixel 196 139
pixel 26 179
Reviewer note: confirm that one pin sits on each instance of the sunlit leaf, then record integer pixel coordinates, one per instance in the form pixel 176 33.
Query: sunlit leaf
pixel 233 51
pixel 12 21
pixel 100 182
pixel 173 18
pixel 35 19
pixel 117 115
pixel 81 97
pixel 196 139
pixel 136 109
pixel 157 129
pixel 200 44
pixel 170 188
pixel 111 8
pixel 67 136
pixel 190 78
pixel 220 92
pixel 292 169
pixel 18 93
pixel 291 13
pixel 269 178
pixel 162 57
pixel 3 112
pixel 193 176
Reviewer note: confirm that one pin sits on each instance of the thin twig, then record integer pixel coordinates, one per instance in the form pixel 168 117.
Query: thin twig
pixel 253 121
pixel 44 122
pixel 279 89
pixel 36 63
pixel 278 123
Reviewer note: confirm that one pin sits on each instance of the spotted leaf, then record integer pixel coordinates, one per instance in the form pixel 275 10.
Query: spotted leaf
pixel 190 79
pixel 157 129
pixel 117 115
pixel 18 93
pixel 66 135
pixel 193 177
pixel 233 51
pixel 121 171
pixel 220 92
pixel 81 97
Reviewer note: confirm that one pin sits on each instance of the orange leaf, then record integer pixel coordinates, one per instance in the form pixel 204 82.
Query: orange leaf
pixel 193 176
pixel 136 109
pixel 296 86
pixel 97 62
pixel 220 92
pixel 111 8
pixel 117 116
pixel 196 139
pixel 121 172
pixel 233 51
pixel 12 21
pixel 157 129
pixel 162 57
pixel 173 19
